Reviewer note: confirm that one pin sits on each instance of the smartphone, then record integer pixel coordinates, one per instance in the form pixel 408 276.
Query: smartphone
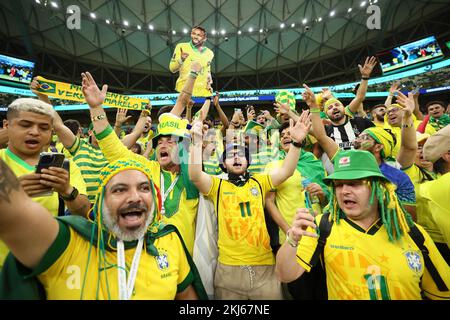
pixel 50 159
pixel 237 110
pixel 66 165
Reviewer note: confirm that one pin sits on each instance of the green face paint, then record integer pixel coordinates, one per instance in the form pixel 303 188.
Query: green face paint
pixel 366 145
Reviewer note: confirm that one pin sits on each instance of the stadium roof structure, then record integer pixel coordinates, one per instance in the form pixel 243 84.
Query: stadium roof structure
pixel 257 43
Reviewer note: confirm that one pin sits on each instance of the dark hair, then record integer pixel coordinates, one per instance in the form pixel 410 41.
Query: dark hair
pixel 200 28
pixel 284 126
pixel 439 166
pixel 162 110
pixel 73 125
pixel 377 106
pixel 138 147
pixel 441 103
pixel 235 147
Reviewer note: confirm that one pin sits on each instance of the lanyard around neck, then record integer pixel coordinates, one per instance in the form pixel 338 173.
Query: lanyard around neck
pixel 126 287
pixel 164 194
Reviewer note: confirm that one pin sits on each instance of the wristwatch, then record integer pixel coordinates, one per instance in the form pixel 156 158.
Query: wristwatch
pixel 72 196
pixel 296 144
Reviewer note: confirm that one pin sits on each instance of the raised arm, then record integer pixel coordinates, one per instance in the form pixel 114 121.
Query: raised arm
pixel 284 108
pixel 298 134
pixel 287 268
pixel 205 109
pixel 185 95
pixel 223 117
pixel 201 180
pixel 328 145
pixel 419 115
pixel 178 59
pixel 65 136
pixel 392 90
pixel 144 120
pixel 26 227
pixel 408 147
pixel 121 118
pixel 366 71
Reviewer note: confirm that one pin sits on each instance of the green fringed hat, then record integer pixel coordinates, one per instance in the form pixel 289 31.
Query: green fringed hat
pixel 354 164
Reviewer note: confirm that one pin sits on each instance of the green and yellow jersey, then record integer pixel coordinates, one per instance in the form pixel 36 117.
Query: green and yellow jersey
pixel 91 161
pixel 70 259
pixel 365 265
pixel 50 202
pixel 205 58
pixel 179 211
pixel 243 237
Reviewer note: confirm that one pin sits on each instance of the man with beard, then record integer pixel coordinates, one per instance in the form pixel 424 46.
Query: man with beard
pixel 245 268
pixel 183 56
pixel 378 112
pixel 344 127
pixel 169 171
pixel 125 253
pixel 379 142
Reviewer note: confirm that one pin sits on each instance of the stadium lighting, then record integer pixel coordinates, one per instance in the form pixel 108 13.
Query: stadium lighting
pixel 185 31
pixel 54 4
pixel 261 30
pixel 92 15
pixel 139 27
pixel 213 31
pixel 125 23
pixel 349 10
pixel 150 26
pixel 282 25
pixel 174 32
pixel 293 25
pixel 332 13
pixel 363 4
pixel 222 32
pixel 319 19
pixel 37 1
pixel 304 21
pixel 250 29
pixel 107 21
pixel 239 32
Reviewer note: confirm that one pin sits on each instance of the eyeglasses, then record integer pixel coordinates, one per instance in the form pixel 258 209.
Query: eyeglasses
pixel 238 153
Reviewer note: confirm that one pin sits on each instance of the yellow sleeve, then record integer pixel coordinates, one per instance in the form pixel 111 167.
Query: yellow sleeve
pixel 174 66
pixel 266 183
pixel 76 179
pixel 306 248
pixel 112 148
pixel 212 193
pixel 428 285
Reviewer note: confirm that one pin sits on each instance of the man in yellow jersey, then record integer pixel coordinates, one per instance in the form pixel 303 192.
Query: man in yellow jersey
pixel 125 253
pixel 372 251
pixel 85 153
pixel 169 171
pixel 245 268
pixel 183 56
pixel 378 112
pixel 29 124
pixel 436 193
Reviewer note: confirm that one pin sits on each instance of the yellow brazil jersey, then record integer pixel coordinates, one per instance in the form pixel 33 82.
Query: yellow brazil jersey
pixel 365 265
pixel 290 195
pixel 243 237
pixel 205 58
pixel 144 139
pixel 423 210
pixel 158 277
pixel 397 131
pixel 51 202
pixel 179 211
pixel 436 195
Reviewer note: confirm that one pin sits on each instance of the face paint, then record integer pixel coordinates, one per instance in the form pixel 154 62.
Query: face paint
pixel 366 145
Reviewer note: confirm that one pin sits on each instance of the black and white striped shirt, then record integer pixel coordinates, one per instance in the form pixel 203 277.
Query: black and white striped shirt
pixel 345 134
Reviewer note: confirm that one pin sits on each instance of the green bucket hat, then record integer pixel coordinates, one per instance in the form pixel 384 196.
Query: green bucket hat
pixel 353 165
pixel 170 125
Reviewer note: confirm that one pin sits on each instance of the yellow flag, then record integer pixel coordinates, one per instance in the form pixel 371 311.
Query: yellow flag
pixel 67 91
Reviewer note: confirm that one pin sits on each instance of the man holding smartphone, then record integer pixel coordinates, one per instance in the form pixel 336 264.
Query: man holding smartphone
pixel 29 124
